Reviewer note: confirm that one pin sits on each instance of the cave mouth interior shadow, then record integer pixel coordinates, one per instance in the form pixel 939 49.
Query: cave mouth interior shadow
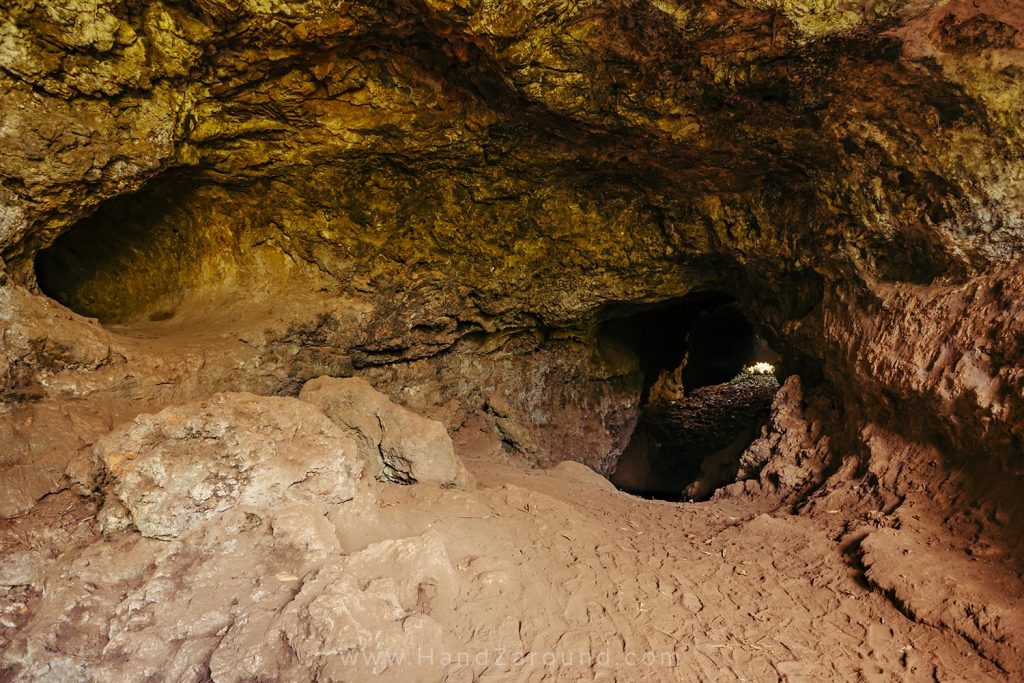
pixel 167 254
pixel 133 258
pixel 697 402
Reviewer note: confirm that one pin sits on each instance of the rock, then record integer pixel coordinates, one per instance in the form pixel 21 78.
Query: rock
pixel 692 445
pixel 453 199
pixel 358 618
pixel 242 597
pixel 22 568
pixel 569 401
pixel 173 470
pixel 396 444
pixel 485 215
pixel 692 602
pixel 241 568
pixel 790 454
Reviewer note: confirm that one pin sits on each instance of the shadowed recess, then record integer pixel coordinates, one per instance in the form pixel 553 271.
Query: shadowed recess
pixel 138 256
pixel 703 399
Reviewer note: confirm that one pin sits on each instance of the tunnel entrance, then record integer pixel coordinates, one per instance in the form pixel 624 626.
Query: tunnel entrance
pixel 135 257
pixel 175 250
pixel 708 385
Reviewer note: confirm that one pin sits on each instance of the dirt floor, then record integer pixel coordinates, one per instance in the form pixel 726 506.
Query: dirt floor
pixel 530 575
pixel 663 591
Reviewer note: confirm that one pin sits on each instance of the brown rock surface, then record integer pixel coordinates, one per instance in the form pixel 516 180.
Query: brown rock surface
pixel 437 583
pixel 174 470
pixel 396 444
pixel 453 201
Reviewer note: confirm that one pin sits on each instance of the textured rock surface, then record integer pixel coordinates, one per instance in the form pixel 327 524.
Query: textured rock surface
pixel 546 400
pixel 174 470
pixel 451 199
pixel 416 174
pixel 255 591
pixel 791 454
pixel 396 444
pixel 423 180
pixel 946 589
pixel 476 585
pixel 263 571
pixel 690 445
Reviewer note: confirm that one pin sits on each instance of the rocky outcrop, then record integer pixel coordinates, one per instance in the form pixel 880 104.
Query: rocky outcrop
pixel 688 446
pixel 172 471
pixel 524 394
pixel 294 606
pixel 396 444
pixel 259 510
pixel 791 455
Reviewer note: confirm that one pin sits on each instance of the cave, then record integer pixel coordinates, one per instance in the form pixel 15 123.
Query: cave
pixel 709 380
pixel 133 259
pixel 505 340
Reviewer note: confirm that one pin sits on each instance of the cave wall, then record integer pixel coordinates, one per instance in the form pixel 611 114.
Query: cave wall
pixel 451 197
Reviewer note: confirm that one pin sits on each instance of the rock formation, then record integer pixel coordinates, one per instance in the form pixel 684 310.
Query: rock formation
pixel 505 217
pixel 396 444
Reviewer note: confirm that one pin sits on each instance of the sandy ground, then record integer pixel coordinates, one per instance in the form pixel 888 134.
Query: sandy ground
pixel 559 576
pixel 583 582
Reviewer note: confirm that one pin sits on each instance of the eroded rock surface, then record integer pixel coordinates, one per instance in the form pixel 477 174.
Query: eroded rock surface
pixel 791 453
pixel 692 443
pixel 475 189
pixel 397 444
pixel 174 470
pixel 435 583
pixel 452 200
pixel 260 570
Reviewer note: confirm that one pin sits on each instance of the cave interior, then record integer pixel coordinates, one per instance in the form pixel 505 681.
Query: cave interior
pixel 642 339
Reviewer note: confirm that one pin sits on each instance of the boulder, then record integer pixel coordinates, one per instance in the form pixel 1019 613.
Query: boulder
pixel 170 471
pixel 397 444
pixel 578 473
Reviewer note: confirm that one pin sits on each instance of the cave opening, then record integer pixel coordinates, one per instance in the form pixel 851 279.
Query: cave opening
pixel 709 380
pixel 135 258
pixel 178 256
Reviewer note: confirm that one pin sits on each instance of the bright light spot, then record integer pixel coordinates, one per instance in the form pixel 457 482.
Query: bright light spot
pixel 760 369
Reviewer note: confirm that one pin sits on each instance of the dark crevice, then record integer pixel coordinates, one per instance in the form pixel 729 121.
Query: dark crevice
pixel 135 257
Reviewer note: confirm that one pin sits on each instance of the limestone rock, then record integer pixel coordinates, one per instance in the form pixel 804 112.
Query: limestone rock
pixel 397 444
pixel 240 597
pixel 569 401
pixel 173 470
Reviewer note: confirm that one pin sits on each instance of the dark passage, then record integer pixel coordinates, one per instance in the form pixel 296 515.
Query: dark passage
pixel 703 401
pixel 137 255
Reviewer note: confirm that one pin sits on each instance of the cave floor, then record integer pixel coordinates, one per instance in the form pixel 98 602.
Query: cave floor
pixel 562 577
pixel 559 563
